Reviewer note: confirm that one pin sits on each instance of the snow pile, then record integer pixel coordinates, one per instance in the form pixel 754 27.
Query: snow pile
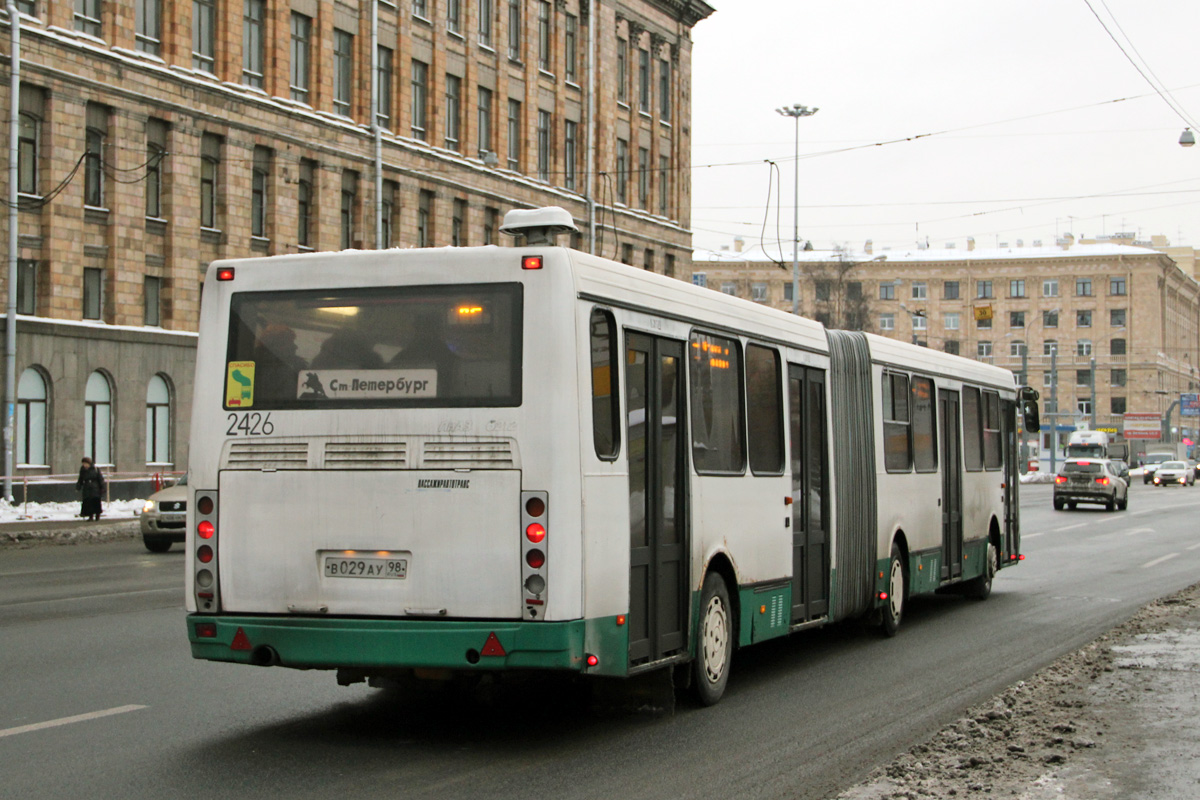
pixel 23 512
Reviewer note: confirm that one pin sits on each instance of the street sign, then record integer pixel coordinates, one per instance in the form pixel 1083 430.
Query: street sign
pixel 1143 425
pixel 1189 405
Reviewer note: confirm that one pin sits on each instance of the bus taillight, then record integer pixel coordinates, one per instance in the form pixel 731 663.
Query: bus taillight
pixel 205 527
pixel 534 549
pixel 535 533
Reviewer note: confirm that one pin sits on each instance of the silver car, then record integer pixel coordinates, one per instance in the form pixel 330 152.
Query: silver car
pixel 164 517
pixel 1090 480
pixel 1174 473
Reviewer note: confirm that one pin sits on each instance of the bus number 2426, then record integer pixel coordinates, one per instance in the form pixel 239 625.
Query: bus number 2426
pixel 250 424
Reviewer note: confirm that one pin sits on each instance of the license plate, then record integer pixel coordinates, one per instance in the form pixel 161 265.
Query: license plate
pixel 382 567
pixel 177 517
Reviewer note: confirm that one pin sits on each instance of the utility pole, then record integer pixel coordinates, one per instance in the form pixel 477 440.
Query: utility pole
pixel 1053 404
pixel 796 112
pixel 1092 382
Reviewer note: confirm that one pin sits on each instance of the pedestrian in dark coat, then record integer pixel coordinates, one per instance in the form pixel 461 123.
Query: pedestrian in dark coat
pixel 91 486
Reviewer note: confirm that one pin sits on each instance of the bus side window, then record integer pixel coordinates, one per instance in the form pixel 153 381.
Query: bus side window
pixel 972 421
pixel 924 426
pixel 718 419
pixel 765 403
pixel 991 430
pixel 897 444
pixel 606 427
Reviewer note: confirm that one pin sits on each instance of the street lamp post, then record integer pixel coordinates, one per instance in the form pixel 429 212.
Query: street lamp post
pixel 796 111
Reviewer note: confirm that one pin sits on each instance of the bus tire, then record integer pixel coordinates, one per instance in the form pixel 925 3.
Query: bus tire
pixel 893 610
pixel 979 588
pixel 714 650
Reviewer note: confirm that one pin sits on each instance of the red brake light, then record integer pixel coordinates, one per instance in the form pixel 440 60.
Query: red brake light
pixel 206 529
pixel 205 553
pixel 225 274
pixel 592 660
pixel 535 533
pixel 1102 481
pixel 531 262
pixel 1081 463
pixel 206 630
pixel 1060 478
pixel 204 505
pixel 535 507
pixel 535 558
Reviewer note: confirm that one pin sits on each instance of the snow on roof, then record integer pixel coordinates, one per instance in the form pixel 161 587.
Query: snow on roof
pixel 783 255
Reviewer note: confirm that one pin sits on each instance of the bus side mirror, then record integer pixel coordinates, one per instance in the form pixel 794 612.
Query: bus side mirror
pixel 1028 399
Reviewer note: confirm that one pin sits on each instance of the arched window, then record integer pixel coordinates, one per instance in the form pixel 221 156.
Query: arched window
pixel 97 420
pixel 31 419
pixel 158 421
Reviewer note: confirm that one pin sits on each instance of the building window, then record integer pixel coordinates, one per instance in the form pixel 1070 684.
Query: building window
pixel 544 56
pixel 28 138
pixel 27 285
pixel 484 106
pixel 349 209
pixel 887 291
pixel 453 111
pixel 1016 319
pixel 454 16
pixel 31 419
pixel 1083 318
pixel 254 14
pixel 383 88
pixel 758 292
pixel 570 152
pixel 920 290
pixel 421 9
pixel 669 266
pixel 983 351
pixel 1117 377
pixel 93 175
pixel 304 211
pixel 983 290
pixel 1050 287
pixel 1016 288
pixel 727 287
pixel 1116 286
pixel 514 29
pixel 543 145
pixel 158 421
pixel 950 290
pixel 485 23
pixel 343 71
pixel 622 171
pixel 920 322
pixel 622 71
pixel 1049 319
pixel 1016 349
pixel 950 320
pixel 951 346
pixel 644 81
pixel 1083 347
pixel 1083 377
pixel 1083 287
pixel 514 135
pixel 700 279
pixel 204 22
pixel 984 324
pixel 97 420
pixel 643 178
pixel 1083 405
pixel 570 48
pixel 420 98
pixel 1116 405
pixel 210 160
pixel 664 90
pixel 887 322
pixel 258 192
pixel 664 186
pixel 27 7
pixel 1049 347
pixel 425 219
pixel 458 224
pixel 87 17
pixel 1116 317
pixel 387 214
pixel 491 224
pixel 156 151
pixel 151 294
pixel 1117 347
pixel 148 36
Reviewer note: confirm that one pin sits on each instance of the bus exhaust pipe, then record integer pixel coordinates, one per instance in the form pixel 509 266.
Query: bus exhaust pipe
pixel 264 656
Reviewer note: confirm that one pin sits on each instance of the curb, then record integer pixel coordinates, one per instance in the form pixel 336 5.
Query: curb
pixel 111 532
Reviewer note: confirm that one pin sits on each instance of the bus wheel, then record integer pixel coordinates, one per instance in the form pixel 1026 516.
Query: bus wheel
pixel 893 611
pixel 714 651
pixel 979 588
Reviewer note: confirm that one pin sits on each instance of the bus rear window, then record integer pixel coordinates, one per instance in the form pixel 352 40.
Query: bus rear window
pixel 409 346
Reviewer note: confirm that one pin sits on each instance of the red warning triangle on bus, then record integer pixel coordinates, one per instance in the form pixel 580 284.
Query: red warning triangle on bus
pixel 241 641
pixel 492 646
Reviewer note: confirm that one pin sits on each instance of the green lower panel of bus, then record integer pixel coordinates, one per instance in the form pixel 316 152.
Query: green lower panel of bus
pixel 328 643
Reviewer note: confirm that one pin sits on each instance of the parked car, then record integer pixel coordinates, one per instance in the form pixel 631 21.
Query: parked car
pixel 164 517
pixel 1151 462
pixel 1090 480
pixel 1175 473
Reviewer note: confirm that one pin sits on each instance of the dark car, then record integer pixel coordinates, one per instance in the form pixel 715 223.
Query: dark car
pixel 1090 480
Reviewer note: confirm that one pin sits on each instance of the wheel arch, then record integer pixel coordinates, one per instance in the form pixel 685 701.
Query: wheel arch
pixel 722 565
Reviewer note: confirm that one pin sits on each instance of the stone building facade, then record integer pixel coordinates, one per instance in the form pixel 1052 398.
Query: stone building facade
pixel 1122 321
pixel 159 136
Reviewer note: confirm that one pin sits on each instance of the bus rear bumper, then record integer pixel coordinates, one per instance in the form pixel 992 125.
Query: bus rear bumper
pixel 387 644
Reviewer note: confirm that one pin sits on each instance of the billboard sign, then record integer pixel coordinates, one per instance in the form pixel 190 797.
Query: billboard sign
pixel 1143 425
pixel 1189 405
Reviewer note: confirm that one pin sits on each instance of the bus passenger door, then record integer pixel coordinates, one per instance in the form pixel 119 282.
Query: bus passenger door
pixel 1010 444
pixel 952 534
pixel 658 608
pixel 810 494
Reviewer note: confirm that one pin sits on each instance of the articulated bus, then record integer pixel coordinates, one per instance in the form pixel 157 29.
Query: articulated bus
pixel 478 460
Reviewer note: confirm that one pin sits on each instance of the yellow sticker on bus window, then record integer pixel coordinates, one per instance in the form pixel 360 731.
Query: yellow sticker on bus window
pixel 239 384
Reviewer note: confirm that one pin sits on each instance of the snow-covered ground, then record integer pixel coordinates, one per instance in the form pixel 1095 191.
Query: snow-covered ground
pixel 117 509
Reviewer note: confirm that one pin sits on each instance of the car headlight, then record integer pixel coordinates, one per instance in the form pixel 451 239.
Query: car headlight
pixel 146 509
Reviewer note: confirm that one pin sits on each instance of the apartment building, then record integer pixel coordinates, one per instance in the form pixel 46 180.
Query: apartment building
pixel 159 136
pixel 1099 329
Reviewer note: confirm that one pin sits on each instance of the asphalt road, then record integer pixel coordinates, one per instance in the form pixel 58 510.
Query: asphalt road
pixel 101 698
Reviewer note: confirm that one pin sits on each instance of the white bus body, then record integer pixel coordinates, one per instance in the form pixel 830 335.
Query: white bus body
pixel 581 466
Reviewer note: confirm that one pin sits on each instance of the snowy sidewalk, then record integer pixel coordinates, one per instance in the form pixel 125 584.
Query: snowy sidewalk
pixel 36 523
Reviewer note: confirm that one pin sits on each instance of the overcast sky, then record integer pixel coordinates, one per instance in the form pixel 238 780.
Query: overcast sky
pixel 1023 89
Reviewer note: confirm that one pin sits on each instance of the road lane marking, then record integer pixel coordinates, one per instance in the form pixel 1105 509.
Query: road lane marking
pixel 1193 547
pixel 1132 531
pixel 54 723
pixel 1032 535
pixel 1159 560
pixel 1072 527
pixel 174 589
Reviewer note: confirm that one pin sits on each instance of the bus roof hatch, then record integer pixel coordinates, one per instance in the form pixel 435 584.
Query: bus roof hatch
pixel 538 225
